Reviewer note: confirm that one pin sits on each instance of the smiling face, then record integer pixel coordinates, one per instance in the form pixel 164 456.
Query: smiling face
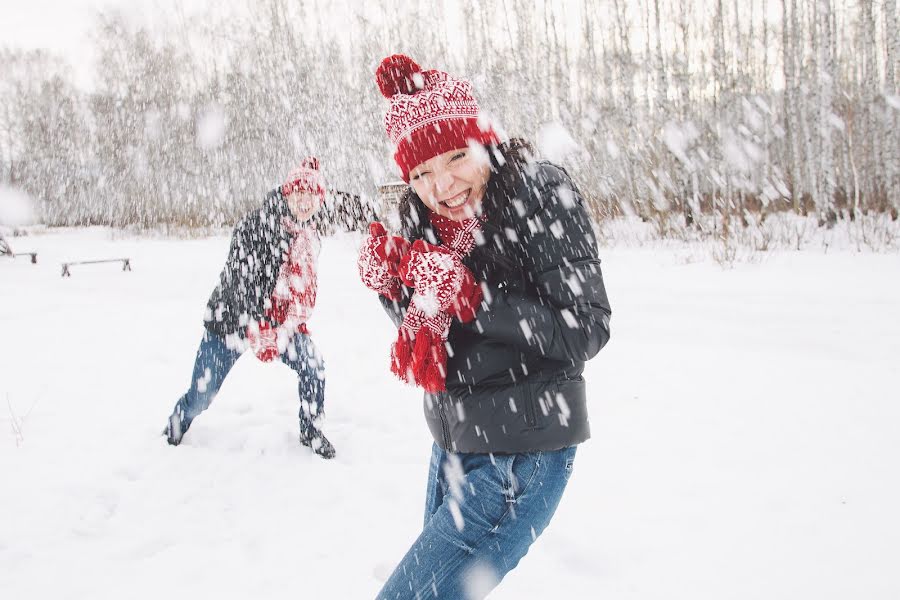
pixel 303 204
pixel 452 184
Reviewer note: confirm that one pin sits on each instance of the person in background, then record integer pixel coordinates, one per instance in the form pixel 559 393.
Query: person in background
pixel 495 286
pixel 265 296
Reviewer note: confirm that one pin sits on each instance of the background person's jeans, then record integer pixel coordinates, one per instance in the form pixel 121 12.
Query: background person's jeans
pixel 482 512
pixel 214 361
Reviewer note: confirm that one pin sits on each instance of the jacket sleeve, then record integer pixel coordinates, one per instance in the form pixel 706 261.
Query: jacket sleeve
pixel 566 314
pixel 236 277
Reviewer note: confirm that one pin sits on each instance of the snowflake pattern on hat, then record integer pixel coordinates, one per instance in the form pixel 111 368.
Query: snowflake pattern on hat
pixel 441 99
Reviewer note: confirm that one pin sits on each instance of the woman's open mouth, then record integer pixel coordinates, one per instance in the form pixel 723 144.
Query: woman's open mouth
pixel 457 200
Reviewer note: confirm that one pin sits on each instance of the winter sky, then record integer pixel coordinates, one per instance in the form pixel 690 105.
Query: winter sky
pixel 63 27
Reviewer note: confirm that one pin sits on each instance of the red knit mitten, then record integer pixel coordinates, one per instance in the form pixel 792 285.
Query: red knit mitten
pixel 468 300
pixel 438 276
pixel 379 261
pixel 263 341
pixel 444 288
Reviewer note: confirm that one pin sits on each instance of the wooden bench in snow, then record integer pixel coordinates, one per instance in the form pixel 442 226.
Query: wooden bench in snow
pixel 126 264
pixel 6 250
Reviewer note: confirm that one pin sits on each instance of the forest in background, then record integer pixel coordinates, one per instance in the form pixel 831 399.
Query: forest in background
pixel 691 114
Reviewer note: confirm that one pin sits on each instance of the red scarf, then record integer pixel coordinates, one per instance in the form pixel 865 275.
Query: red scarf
pixel 294 295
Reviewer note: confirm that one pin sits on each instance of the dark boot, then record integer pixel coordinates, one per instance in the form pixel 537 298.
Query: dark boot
pixel 313 438
pixel 175 428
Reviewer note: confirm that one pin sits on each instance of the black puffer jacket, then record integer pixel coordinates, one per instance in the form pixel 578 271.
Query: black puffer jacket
pixel 514 380
pixel 258 247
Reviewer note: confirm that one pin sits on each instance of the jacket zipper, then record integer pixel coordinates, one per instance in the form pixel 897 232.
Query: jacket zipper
pixel 530 418
pixel 445 429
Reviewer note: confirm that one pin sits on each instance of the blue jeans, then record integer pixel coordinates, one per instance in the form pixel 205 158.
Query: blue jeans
pixel 482 513
pixel 215 359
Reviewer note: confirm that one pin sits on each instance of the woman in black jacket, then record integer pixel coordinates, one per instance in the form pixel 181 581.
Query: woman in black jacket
pixel 497 292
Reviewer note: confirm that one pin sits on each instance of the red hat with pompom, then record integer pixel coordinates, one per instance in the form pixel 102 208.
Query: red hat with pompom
pixel 431 112
pixel 305 177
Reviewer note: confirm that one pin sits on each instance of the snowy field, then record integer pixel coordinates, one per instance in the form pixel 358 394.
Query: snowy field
pixel 746 436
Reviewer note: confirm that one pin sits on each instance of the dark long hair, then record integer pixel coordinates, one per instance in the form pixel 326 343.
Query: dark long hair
pixel 496 258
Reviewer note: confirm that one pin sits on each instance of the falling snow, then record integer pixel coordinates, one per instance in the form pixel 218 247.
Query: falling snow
pixel 743 419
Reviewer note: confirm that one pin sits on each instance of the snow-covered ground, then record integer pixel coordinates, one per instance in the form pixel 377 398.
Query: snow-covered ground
pixel 746 436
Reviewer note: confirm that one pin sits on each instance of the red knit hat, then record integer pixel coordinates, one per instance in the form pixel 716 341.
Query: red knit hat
pixel 431 112
pixel 305 177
